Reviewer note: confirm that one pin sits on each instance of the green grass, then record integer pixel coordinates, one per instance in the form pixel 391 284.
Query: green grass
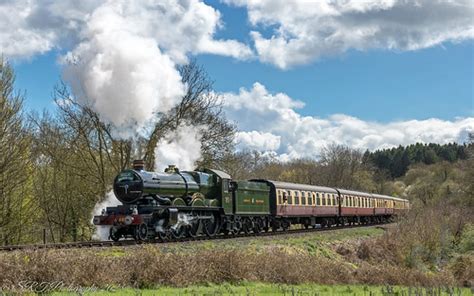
pixel 275 289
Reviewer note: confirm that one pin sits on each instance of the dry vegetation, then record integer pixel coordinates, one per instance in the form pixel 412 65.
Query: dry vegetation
pixel 409 256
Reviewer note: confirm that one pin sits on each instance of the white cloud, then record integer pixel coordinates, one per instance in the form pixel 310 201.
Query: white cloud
pixel 303 31
pixel 269 123
pixel 29 27
pixel 255 140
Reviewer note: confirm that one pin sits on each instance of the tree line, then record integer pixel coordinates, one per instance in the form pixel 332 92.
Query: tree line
pixel 396 161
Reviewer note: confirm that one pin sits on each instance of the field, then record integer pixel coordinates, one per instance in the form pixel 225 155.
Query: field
pixel 247 288
pixel 297 264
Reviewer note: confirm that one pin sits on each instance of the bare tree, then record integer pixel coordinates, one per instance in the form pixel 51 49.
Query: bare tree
pixel 199 106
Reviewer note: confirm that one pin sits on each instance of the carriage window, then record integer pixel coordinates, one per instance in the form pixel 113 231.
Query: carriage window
pixel 297 197
pixel 289 197
pixel 279 199
pixel 323 199
pixel 310 198
pixel 303 198
pixel 318 199
pixel 336 202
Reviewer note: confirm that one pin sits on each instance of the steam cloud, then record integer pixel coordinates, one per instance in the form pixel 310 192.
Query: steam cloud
pixel 120 73
pixel 124 63
pixel 181 148
pixel 102 232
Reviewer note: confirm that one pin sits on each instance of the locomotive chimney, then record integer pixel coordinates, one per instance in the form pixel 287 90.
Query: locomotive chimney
pixel 138 164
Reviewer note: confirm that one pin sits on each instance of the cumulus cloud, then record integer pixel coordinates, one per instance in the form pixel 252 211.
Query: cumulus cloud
pixel 270 123
pixel 255 140
pixel 30 27
pixel 303 31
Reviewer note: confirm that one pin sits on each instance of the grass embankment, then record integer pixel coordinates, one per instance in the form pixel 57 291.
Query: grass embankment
pixel 349 256
pixel 249 288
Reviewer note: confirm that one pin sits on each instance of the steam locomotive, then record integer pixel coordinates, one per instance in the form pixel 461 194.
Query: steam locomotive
pixel 174 204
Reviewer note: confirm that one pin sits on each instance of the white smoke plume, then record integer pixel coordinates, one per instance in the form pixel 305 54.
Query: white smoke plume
pixel 182 148
pixel 124 64
pixel 102 232
pixel 121 73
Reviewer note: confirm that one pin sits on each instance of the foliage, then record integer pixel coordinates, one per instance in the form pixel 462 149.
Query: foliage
pixel 17 204
pixel 397 160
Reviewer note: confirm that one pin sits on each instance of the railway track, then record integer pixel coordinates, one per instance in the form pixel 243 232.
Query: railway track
pixel 131 242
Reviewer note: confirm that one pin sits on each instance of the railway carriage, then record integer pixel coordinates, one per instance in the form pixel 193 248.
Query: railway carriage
pixel 308 205
pixel 355 206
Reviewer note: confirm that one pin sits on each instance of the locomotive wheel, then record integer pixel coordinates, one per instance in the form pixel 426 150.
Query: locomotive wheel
pixel 162 236
pixel 257 226
pixel 177 233
pixel 246 225
pixel 192 230
pixel 140 233
pixel 114 234
pixel 211 226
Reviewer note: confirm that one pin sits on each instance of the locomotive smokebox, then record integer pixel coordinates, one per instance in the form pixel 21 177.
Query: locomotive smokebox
pixel 138 164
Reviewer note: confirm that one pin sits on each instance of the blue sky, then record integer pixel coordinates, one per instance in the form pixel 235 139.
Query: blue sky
pixel 370 74
pixel 378 85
